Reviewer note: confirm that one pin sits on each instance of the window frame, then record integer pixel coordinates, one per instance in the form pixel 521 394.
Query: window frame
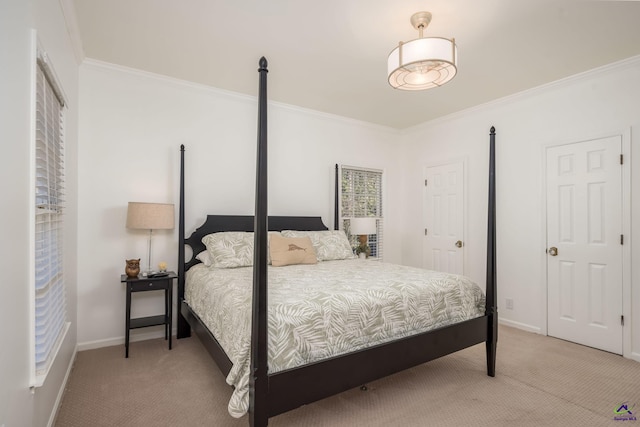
pixel 47 219
pixel 376 241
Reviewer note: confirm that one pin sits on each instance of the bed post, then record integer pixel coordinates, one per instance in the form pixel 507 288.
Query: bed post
pixel 259 380
pixel 491 306
pixel 184 330
pixel 336 203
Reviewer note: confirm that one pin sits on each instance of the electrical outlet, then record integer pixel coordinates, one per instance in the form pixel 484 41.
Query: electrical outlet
pixel 509 303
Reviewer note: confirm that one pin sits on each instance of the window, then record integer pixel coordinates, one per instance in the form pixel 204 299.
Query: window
pixel 362 197
pixel 49 312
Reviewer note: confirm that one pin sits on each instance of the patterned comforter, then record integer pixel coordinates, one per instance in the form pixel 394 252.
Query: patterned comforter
pixel 323 310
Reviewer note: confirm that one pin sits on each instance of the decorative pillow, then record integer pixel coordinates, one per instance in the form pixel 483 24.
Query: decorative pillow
pixel 329 244
pixel 291 250
pixel 204 257
pixel 230 249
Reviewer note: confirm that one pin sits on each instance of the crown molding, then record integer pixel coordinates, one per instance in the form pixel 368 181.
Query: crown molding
pixel 631 62
pixel 198 87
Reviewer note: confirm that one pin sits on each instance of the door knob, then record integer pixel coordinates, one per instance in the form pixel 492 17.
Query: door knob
pixel 459 243
pixel 553 251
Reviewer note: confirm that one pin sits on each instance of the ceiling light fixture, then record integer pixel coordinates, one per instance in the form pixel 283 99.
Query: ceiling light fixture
pixel 423 63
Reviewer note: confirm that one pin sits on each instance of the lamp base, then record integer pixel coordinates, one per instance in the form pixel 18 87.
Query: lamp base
pixel 363 249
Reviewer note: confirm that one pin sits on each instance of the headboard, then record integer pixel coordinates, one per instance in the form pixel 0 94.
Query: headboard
pixel 218 223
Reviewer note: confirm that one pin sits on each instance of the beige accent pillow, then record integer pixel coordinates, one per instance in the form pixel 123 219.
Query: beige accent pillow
pixel 291 250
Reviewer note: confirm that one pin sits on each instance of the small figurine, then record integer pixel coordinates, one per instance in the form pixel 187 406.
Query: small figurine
pixel 132 268
pixel 162 266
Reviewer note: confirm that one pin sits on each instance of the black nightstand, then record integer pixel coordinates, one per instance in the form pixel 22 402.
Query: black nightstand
pixel 143 284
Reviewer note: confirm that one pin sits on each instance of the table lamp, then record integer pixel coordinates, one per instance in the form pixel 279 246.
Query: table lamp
pixel 150 216
pixel 363 227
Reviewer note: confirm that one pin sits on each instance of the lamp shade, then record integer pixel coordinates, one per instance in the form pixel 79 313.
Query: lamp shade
pixel 423 63
pixel 363 226
pixel 150 216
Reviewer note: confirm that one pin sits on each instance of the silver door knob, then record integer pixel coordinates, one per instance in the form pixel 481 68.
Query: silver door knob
pixel 459 244
pixel 553 251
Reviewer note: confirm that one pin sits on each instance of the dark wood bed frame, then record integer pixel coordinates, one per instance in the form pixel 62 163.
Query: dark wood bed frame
pixel 274 393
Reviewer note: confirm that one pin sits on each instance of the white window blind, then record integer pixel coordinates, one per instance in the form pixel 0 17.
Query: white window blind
pixel 50 299
pixel 362 197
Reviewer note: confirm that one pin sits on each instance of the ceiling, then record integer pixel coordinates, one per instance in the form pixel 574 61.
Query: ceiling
pixel 331 55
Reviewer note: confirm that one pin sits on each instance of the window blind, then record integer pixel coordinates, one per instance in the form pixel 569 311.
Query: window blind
pixel 362 197
pixel 50 299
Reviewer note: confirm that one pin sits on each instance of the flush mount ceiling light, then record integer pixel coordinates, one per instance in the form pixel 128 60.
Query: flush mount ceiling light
pixel 423 63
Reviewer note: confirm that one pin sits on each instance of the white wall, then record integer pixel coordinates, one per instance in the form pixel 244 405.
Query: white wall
pixel 132 124
pixel 18 406
pixel 131 127
pixel 595 104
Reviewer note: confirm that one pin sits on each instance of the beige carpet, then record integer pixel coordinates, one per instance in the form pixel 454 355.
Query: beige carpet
pixel 540 381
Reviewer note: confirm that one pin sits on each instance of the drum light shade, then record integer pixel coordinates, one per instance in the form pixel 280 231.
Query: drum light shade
pixel 363 226
pixel 423 63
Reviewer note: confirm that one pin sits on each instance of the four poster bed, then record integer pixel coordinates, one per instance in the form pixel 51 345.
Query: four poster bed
pixel 269 373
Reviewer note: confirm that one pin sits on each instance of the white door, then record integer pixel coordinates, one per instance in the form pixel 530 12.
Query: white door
pixel 584 251
pixel 443 213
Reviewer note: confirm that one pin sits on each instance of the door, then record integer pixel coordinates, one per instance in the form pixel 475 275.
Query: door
pixel 584 252
pixel 444 217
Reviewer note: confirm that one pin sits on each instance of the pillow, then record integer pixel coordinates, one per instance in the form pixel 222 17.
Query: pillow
pixel 329 244
pixel 230 249
pixel 291 250
pixel 204 257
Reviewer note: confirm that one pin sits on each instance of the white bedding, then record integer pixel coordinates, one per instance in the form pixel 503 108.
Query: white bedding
pixel 326 309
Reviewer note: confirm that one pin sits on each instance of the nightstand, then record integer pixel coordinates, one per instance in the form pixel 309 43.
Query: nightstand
pixel 145 284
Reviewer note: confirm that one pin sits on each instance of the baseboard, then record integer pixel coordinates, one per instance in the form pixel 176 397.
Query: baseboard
pixel 63 387
pixel 518 325
pixel 635 356
pixel 109 342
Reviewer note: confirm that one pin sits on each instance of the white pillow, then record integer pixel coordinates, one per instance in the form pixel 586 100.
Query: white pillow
pixel 204 257
pixel 329 244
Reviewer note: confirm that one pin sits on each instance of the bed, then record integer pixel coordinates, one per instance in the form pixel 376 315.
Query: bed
pixel 267 386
